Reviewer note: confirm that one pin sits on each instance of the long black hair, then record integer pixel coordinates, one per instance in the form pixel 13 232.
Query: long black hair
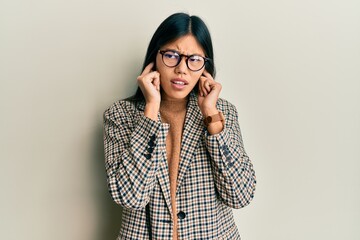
pixel 173 27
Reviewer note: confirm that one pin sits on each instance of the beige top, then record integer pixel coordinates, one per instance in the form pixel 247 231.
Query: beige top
pixel 173 112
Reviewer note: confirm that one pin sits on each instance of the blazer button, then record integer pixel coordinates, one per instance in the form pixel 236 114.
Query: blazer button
pixel 153 137
pixel 150 149
pixel 181 215
pixel 151 143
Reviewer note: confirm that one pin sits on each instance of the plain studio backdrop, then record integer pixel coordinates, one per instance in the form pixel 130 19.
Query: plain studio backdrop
pixel 292 69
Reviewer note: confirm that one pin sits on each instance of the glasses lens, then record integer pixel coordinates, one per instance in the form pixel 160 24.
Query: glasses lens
pixel 171 59
pixel 196 62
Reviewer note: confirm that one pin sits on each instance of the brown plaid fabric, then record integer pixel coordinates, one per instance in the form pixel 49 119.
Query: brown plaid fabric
pixel 215 173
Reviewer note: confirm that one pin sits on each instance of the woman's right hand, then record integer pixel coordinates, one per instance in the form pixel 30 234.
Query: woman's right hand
pixel 149 83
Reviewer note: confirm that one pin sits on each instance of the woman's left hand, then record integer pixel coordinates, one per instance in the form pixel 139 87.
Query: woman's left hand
pixel 209 91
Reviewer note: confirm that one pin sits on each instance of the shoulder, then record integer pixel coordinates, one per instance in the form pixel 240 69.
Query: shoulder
pixel 121 108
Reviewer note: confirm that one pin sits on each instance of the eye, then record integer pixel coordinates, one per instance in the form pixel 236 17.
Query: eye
pixel 196 58
pixel 171 55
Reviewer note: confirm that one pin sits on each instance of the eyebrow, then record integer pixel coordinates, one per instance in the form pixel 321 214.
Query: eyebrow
pixel 173 50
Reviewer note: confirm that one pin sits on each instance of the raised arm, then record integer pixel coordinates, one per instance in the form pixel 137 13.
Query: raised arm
pixel 232 169
pixel 131 154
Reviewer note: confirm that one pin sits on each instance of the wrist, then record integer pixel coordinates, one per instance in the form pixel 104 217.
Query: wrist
pixel 215 123
pixel 211 119
pixel 215 128
pixel 152 110
pixel 209 112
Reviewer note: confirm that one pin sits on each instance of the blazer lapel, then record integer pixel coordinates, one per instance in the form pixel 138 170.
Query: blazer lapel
pixel 193 130
pixel 163 178
pixel 163 171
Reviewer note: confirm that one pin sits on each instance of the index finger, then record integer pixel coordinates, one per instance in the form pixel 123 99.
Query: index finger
pixel 207 74
pixel 148 68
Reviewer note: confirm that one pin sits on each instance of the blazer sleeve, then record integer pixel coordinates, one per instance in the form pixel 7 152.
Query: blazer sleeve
pixel 233 171
pixel 131 147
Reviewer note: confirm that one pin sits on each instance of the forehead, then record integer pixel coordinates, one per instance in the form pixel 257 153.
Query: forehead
pixel 185 45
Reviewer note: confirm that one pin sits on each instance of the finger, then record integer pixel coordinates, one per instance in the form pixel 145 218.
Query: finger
pixel 201 86
pixel 152 76
pixel 210 79
pixel 206 83
pixel 156 83
pixel 215 89
pixel 208 75
pixel 146 77
pixel 201 92
pixel 207 86
pixel 148 68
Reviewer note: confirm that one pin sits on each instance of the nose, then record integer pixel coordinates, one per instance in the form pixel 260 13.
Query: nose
pixel 181 68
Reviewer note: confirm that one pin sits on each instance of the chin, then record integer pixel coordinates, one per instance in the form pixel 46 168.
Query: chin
pixel 178 95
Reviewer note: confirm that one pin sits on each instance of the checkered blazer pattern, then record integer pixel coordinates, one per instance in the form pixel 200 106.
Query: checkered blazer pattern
pixel 215 173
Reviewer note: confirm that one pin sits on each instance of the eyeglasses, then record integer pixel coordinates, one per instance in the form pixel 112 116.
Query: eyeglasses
pixel 173 58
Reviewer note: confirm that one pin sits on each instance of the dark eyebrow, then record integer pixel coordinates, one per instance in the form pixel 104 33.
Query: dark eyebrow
pixel 175 51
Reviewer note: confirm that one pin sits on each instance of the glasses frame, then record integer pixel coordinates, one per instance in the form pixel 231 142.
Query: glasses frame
pixel 162 52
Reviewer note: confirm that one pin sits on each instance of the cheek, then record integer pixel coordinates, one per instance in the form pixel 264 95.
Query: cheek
pixel 161 68
pixel 197 76
pixel 157 63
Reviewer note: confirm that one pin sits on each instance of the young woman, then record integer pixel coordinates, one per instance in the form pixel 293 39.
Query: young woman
pixel 174 154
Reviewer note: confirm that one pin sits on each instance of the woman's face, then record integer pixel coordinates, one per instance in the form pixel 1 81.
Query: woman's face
pixel 177 82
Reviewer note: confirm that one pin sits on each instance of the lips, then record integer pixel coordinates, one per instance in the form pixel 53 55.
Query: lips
pixel 179 81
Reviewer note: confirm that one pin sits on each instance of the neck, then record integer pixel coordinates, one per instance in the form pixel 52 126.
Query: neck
pixel 166 98
pixel 173 104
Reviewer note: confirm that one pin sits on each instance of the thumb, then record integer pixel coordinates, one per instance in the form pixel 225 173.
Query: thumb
pixel 156 83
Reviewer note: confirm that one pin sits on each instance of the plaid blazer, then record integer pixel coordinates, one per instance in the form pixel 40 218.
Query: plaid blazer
pixel 215 173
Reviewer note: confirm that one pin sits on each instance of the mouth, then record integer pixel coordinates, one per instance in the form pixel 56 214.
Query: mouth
pixel 179 81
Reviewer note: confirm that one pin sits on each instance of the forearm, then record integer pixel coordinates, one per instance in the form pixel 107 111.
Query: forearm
pixel 213 127
pixel 131 159
pixel 151 110
pixel 232 169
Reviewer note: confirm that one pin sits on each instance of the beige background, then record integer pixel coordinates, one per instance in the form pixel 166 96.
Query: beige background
pixel 292 68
